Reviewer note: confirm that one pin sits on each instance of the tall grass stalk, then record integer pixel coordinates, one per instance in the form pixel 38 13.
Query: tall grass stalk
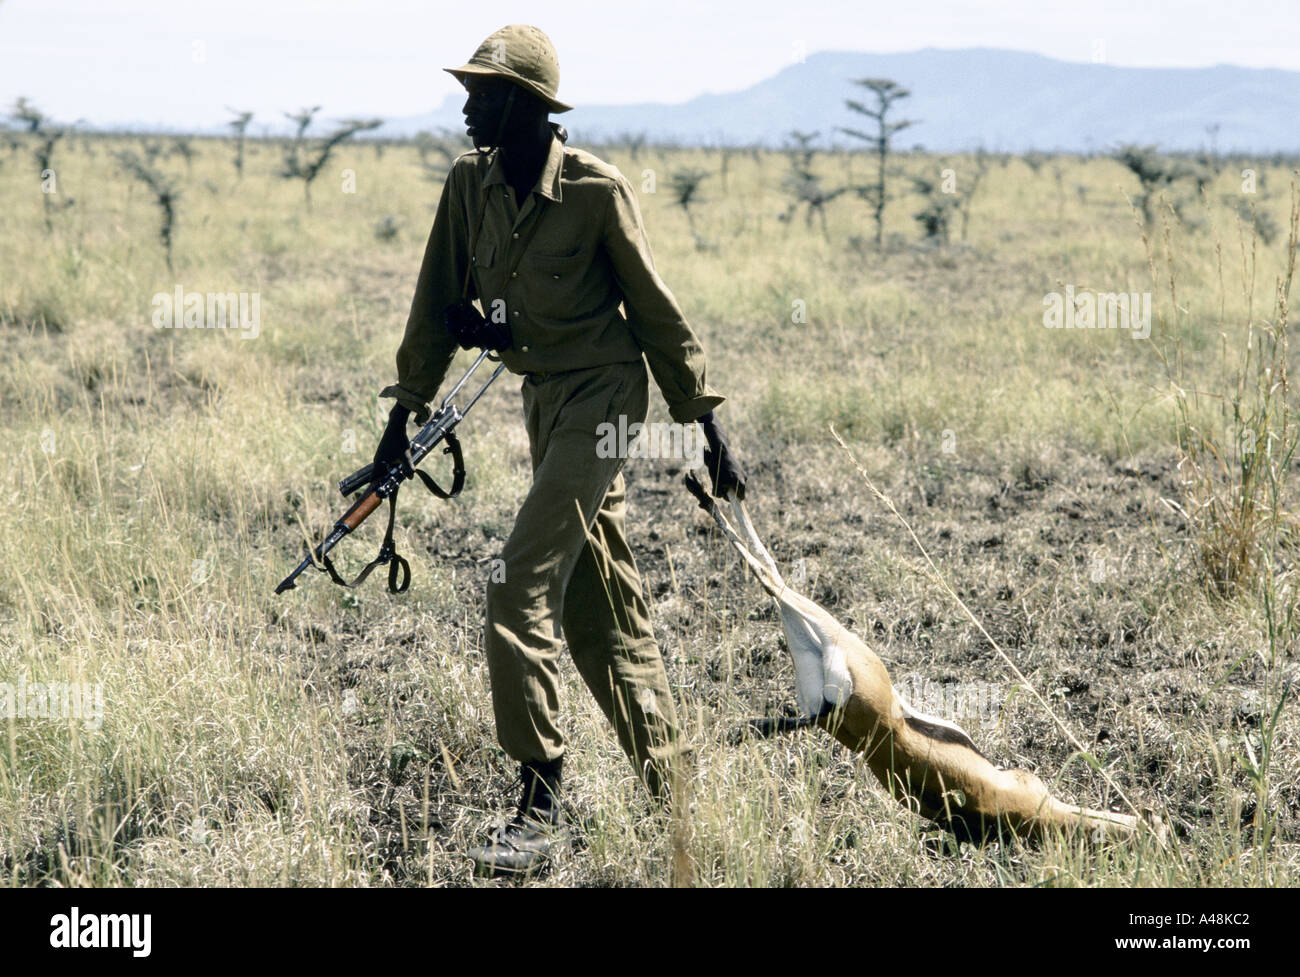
pixel 1236 437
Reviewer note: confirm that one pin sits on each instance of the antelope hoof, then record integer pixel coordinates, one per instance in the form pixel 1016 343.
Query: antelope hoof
pixel 768 726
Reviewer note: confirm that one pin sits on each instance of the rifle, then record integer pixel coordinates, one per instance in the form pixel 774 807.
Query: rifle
pixel 384 485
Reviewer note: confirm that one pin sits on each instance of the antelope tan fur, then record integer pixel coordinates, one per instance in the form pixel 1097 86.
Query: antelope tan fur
pixel 927 763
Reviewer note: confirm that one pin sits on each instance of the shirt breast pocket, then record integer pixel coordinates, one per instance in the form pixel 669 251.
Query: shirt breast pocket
pixel 556 285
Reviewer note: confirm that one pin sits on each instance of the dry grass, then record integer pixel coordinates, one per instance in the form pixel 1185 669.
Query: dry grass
pixel 332 738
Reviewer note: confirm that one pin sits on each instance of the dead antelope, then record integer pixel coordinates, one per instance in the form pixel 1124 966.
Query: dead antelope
pixel 925 762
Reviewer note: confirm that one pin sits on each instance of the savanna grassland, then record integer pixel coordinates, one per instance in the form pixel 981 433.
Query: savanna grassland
pixel 1092 498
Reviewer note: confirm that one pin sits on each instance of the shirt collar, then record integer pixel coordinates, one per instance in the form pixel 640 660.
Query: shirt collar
pixel 548 182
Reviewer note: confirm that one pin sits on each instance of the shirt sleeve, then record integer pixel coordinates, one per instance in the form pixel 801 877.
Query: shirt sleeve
pixel 673 352
pixel 427 348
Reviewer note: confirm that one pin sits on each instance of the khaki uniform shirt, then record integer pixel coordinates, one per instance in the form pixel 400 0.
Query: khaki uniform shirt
pixel 583 293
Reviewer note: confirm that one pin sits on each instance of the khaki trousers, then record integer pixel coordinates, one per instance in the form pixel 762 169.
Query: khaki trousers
pixel 557 578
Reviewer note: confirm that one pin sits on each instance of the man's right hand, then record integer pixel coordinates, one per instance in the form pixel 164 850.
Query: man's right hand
pixel 394 445
pixel 472 331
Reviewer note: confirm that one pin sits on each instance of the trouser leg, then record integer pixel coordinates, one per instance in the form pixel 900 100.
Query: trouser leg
pixel 525 599
pixel 608 629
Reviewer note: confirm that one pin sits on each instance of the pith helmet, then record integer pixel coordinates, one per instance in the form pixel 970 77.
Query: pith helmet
pixel 521 54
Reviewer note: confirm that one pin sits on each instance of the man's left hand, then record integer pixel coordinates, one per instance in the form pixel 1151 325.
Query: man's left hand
pixel 724 469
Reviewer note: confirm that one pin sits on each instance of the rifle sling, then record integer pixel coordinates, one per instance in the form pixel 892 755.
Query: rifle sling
pixel 398 567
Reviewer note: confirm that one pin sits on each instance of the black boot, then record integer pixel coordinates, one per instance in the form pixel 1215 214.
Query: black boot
pixel 535 832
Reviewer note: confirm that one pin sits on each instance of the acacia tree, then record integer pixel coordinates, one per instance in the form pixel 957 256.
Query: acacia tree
pixel 887 93
pixel 240 126
pixel 297 165
pixel 685 184
pixel 35 122
pixel 1155 173
pixel 182 147
pixel 936 216
pixel 164 193
pixel 804 185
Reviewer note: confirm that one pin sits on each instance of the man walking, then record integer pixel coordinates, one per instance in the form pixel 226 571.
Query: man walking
pixel 550 242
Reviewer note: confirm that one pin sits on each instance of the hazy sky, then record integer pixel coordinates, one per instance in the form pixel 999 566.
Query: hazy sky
pixel 178 62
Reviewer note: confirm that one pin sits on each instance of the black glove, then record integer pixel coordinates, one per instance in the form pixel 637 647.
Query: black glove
pixel 394 445
pixel 471 330
pixel 722 465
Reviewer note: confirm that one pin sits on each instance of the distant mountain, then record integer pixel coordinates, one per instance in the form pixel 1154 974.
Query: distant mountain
pixel 1008 101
